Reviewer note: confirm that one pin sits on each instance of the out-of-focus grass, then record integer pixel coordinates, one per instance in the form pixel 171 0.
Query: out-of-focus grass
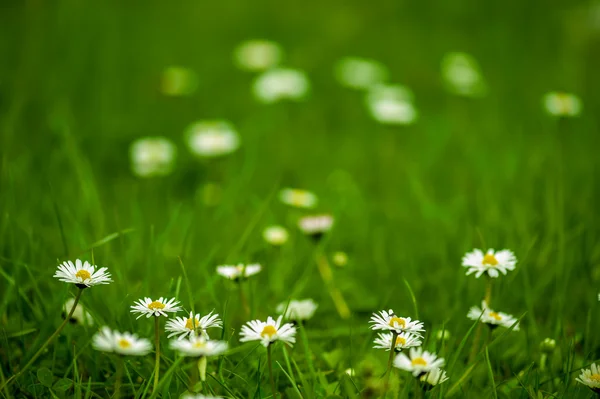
pixel 79 82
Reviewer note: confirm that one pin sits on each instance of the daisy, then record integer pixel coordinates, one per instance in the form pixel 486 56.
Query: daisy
pixel 391 105
pixel 152 156
pixel 492 262
pixel 257 55
pixel 281 84
pixel 239 271
pixel 121 343
pixel 462 76
pixel 80 315
pixel 184 326
pixel 298 198
pixel 178 81
pixel 418 362
pixel 590 378
pixel 435 377
pixel 403 341
pixel 489 316
pixel 316 225
pixel 82 274
pixel 562 104
pixel 360 73
pixel 209 139
pixel 198 346
pixel 157 308
pixel 268 332
pixel 276 235
pixel 387 320
pixel 298 310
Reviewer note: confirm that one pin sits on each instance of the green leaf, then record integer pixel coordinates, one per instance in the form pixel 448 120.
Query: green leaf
pixel 63 384
pixel 45 376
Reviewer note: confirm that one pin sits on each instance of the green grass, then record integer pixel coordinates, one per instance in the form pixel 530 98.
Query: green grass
pixel 79 82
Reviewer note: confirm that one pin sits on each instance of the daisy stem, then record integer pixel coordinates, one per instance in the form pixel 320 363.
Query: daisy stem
pixel 488 291
pixel 390 360
pixel 475 343
pixel 157 345
pixel 118 378
pixel 270 361
pixel 48 341
pixel 334 292
pixel 244 301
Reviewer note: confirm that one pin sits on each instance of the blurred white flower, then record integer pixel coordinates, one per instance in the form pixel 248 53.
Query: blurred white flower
pixel 298 310
pixel 562 104
pixel 280 84
pixel 488 316
pixel 178 81
pixel 340 259
pixel 590 378
pixel 240 271
pixel 360 73
pixel 462 75
pixel 268 332
pixel 198 396
pixel 298 198
pixel 316 225
pixel 275 235
pixel 257 55
pixel 418 362
pixel 435 377
pixel 152 156
pixel 196 346
pixel 442 335
pixel 391 105
pixel 492 262
pixel 350 372
pixel 212 138
pixel 80 315
pixel 122 343
pixel 82 274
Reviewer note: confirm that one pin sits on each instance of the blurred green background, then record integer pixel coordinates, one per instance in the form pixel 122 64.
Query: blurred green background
pixel 79 81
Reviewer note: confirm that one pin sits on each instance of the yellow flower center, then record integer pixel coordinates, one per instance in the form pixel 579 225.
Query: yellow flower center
pixel 268 330
pixel 489 260
pixel 123 343
pixel 419 361
pixel 400 341
pixel 83 274
pixel 495 316
pixel 595 377
pixel 199 344
pixel 190 325
pixel 397 321
pixel 156 305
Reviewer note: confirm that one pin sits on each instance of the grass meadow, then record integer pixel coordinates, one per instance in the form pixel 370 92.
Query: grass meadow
pixel 81 81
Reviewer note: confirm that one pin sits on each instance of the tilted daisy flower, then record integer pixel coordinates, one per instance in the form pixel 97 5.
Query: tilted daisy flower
pixel 492 262
pixel 403 341
pixel 268 332
pixel 198 346
pixel 435 377
pixel 210 139
pixel 240 271
pixel 298 310
pixel 276 235
pixel 387 320
pixel 562 104
pixel 257 54
pixel 360 73
pixel 298 198
pixel 391 105
pixel 152 156
pixel 279 84
pixel 462 75
pixel 125 343
pixel 590 378
pixel 157 308
pixel 82 274
pixel 80 315
pixel 491 317
pixel 316 225
pixel 418 362
pixel 192 325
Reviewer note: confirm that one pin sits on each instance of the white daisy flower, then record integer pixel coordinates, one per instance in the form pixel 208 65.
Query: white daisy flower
pixel 562 104
pixel 82 274
pixel 403 340
pixel 493 263
pixel 491 317
pixel 209 139
pixel 178 81
pixel 391 105
pixel 196 346
pixel 257 55
pixel 240 271
pixel 280 84
pixel 298 198
pixel 316 225
pixel 80 315
pixel 268 332
pixel 387 320
pixel 462 75
pixel 340 259
pixel 276 235
pixel 198 396
pixel 435 377
pixel 152 156
pixel 121 343
pixel 160 307
pixel 590 378
pixel 360 73
pixel 192 325
pixel 418 362
pixel 298 310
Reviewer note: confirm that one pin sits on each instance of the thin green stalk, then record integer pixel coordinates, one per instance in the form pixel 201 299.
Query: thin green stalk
pixel 157 346
pixel 118 378
pixel 270 361
pixel 390 360
pixel 488 291
pixel 48 341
